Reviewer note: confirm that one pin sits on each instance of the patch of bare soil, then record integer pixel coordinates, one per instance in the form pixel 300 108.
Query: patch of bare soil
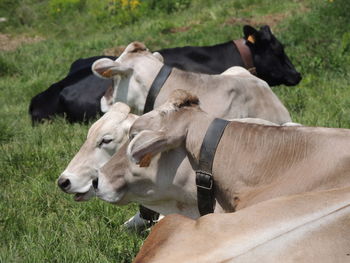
pixel 271 19
pixel 10 43
pixel 182 28
pixel 179 29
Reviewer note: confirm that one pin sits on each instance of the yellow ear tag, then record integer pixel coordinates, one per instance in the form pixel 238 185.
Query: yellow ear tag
pixel 146 160
pixel 251 39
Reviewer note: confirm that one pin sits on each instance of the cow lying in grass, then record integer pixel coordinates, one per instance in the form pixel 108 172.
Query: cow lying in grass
pixel 309 227
pixel 104 138
pixel 234 94
pixel 258 50
pixel 76 97
pixel 253 162
pixel 267 55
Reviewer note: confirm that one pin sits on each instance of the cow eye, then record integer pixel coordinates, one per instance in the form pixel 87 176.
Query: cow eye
pixel 105 141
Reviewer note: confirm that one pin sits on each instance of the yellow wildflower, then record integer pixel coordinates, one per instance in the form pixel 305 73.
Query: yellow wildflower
pixel 134 4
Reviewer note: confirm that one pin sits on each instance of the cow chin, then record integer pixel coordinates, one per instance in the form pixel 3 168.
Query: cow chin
pixel 293 81
pixel 116 198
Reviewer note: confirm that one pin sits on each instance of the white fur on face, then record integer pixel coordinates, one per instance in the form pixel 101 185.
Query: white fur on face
pixel 106 192
pixel 104 138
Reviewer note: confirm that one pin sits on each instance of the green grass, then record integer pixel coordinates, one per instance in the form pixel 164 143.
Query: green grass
pixel 38 222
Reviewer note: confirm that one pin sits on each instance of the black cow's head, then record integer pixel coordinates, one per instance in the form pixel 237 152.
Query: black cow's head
pixel 271 63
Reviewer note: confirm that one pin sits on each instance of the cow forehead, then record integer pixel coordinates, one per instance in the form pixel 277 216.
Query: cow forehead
pixel 108 123
pixel 151 119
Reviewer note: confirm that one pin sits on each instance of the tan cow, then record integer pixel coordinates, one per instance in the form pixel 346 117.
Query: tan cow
pixel 253 162
pixel 104 138
pixel 234 94
pixel 304 228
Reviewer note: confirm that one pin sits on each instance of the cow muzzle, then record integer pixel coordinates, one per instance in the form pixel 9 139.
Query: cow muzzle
pixel 64 184
pixel 81 186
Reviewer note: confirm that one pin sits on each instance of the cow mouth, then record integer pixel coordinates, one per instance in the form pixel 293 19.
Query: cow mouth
pixel 79 197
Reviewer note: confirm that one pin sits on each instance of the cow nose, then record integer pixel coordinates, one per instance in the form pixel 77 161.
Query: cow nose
pixel 63 183
pixel 95 183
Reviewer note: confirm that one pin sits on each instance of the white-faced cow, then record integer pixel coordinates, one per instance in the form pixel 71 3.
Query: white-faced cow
pixel 309 227
pixel 105 137
pixel 234 94
pixel 252 163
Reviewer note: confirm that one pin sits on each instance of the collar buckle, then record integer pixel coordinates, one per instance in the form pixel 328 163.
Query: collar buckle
pixel 204 180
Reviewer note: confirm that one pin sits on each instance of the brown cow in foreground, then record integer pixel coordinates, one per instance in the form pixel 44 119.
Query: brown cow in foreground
pixel 309 227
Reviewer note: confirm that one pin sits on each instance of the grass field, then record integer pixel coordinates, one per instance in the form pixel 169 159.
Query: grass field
pixel 38 222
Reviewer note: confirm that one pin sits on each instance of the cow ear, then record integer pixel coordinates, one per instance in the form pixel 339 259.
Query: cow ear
pixel 120 107
pixel 131 118
pixel 107 68
pixel 107 99
pixel 145 145
pixel 158 56
pixel 105 104
pixel 135 47
pixel 250 33
pixel 265 33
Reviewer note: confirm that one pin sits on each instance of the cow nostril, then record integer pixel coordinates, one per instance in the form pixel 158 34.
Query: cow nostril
pixel 63 183
pixel 95 183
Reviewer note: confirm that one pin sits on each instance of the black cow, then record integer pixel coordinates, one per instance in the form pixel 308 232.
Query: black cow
pixel 269 59
pixel 78 95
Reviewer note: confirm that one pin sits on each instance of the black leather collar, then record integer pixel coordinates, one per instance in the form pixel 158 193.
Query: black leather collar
pixel 157 84
pixel 246 55
pixel 145 213
pixel 204 175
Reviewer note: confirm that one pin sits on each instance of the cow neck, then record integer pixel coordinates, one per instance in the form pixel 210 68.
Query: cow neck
pixel 156 86
pixel 246 55
pixel 204 173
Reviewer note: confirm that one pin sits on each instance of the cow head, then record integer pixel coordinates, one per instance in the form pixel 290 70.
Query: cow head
pixel 153 179
pixel 104 138
pixel 270 60
pixel 131 73
pixel 164 128
pixel 166 185
pixel 118 179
